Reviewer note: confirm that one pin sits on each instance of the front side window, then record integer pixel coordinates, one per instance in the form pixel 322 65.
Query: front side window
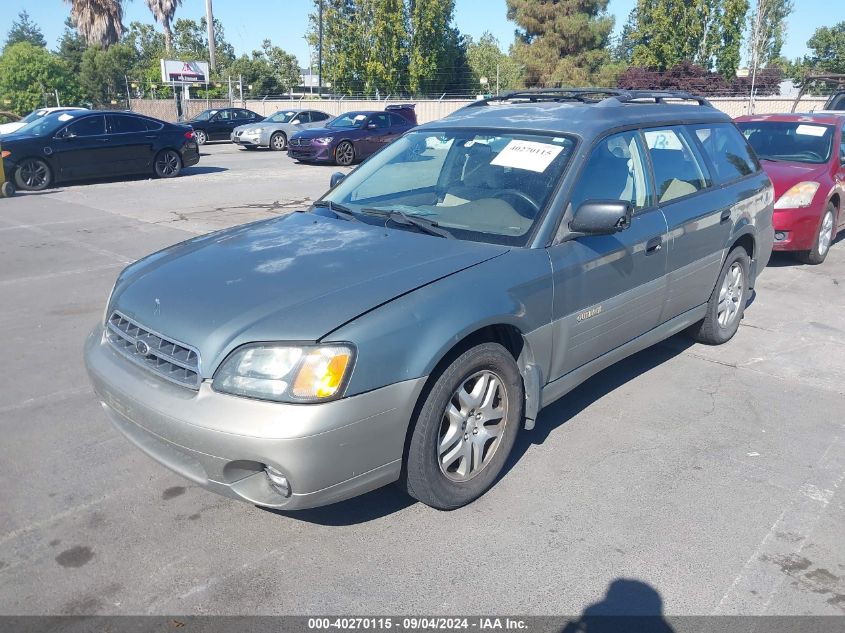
pixel 478 185
pixel 729 152
pixel 615 171
pixel 789 141
pixel 350 119
pixel 282 117
pixel 205 115
pixel 382 121
pixel 223 115
pixel 679 170
pixel 89 126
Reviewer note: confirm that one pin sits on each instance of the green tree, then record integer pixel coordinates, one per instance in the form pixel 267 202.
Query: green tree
pixel 827 49
pixel 25 30
pixel 30 75
pixel 623 45
pixel 436 59
pixel 284 65
pixel 731 27
pixel 103 74
pixel 71 47
pixel 385 47
pixel 561 41
pixel 767 27
pixel 487 60
pixel 98 21
pixel 163 11
pixel 190 41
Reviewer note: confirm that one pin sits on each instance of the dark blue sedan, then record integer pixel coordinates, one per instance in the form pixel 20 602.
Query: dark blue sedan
pixel 352 136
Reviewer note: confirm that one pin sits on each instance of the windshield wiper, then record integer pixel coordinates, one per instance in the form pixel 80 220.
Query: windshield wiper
pixel 339 210
pixel 400 217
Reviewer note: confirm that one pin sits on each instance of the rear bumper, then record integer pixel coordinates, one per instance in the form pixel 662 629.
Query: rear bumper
pixel 190 154
pixel 799 226
pixel 327 452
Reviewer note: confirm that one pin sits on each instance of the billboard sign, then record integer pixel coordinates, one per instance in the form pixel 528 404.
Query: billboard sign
pixel 179 72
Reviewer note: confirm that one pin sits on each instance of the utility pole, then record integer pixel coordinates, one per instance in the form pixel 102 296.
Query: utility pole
pixel 319 54
pixel 209 17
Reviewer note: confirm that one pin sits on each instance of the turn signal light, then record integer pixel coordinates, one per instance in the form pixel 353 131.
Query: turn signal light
pixel 5 153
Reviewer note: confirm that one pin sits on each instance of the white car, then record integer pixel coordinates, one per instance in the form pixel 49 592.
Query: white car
pixel 10 128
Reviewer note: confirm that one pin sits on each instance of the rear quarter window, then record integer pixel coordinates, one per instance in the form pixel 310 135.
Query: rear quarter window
pixel 728 151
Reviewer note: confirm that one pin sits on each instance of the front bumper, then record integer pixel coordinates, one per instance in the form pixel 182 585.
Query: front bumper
pixel 311 152
pixel 800 227
pixel 259 140
pixel 328 452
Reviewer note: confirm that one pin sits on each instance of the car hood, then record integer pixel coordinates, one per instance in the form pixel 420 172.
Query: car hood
pixel 785 175
pixel 296 278
pixel 321 132
pixel 8 128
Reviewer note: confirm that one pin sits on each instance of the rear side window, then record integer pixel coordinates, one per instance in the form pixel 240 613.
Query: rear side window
pixel 679 169
pixel 303 117
pixel 727 149
pixel 318 116
pixel 615 171
pixel 121 124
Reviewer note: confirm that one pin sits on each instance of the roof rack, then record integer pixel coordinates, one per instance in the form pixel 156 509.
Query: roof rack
pixel 599 96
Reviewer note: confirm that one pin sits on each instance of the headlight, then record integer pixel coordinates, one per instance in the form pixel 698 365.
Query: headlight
pixel 256 130
pixel 286 373
pixel 324 141
pixel 799 196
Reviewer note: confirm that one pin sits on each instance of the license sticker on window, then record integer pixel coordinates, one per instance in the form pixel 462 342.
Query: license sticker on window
pixel 65 117
pixel 360 117
pixel 810 130
pixel 289 113
pixel 528 155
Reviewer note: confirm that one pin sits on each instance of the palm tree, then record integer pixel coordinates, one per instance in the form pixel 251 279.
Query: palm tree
pixel 99 22
pixel 163 12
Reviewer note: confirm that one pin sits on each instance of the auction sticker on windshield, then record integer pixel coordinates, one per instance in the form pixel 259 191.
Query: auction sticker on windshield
pixel 810 130
pixel 528 155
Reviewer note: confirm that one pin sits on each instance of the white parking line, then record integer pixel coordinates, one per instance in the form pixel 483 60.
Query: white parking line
pixel 62 273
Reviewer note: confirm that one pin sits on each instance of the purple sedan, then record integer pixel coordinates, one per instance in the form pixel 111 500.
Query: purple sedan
pixel 352 136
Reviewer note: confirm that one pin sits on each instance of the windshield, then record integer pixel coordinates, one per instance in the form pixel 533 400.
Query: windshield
pixel 280 117
pixel 791 141
pixel 205 115
pixel 350 119
pixel 33 116
pixel 478 185
pixel 47 124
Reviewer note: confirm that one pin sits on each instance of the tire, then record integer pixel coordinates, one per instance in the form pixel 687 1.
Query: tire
pixel 824 238
pixel 249 148
pixel 344 154
pixel 33 174
pixel 727 302
pixel 438 471
pixel 7 190
pixel 200 137
pixel 167 164
pixel 278 142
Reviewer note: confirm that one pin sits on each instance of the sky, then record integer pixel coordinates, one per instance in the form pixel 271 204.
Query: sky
pixel 248 22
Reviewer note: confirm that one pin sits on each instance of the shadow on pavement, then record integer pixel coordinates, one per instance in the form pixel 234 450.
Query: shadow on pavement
pixel 629 605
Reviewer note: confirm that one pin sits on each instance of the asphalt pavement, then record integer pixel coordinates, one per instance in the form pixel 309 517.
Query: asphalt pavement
pixel 706 478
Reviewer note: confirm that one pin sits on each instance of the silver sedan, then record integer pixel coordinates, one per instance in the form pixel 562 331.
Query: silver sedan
pixel 275 130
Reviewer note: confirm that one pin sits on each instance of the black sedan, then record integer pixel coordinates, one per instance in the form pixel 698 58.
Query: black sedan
pixel 217 124
pixel 93 144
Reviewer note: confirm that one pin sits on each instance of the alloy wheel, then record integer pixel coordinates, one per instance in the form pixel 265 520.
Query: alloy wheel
pixel 277 142
pixel 345 154
pixel 826 233
pixel 167 164
pixel 200 137
pixel 730 295
pixel 472 426
pixel 33 174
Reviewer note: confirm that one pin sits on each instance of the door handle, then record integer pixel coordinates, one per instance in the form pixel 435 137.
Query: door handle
pixel 102 140
pixel 150 136
pixel 726 215
pixel 653 245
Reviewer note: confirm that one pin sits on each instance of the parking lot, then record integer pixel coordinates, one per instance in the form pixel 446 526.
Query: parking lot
pixel 702 480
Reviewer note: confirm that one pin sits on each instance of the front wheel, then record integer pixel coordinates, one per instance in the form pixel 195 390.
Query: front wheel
pixel 33 174
pixel 200 137
pixel 824 238
pixel 344 155
pixel 727 301
pixel 465 429
pixel 168 164
pixel 278 142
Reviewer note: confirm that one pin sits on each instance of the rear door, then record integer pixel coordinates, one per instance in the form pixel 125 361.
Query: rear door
pixel 130 143
pixel 609 289
pixel 81 150
pixel 318 119
pixel 697 214
pixel 839 177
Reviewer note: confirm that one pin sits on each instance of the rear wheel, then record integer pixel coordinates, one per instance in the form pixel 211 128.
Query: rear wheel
pixel 200 137
pixel 824 238
pixel 465 429
pixel 278 142
pixel 168 164
pixel 33 174
pixel 7 190
pixel 727 301
pixel 344 155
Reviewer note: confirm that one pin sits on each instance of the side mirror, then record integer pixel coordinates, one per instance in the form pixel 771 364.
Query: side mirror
pixel 602 217
pixel 295 122
pixel 336 178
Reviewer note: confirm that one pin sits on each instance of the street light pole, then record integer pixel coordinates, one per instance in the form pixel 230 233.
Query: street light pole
pixel 320 53
pixel 209 17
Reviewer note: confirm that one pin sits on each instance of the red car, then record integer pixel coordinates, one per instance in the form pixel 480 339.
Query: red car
pixel 804 155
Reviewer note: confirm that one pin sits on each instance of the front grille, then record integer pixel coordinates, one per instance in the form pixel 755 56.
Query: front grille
pixel 300 142
pixel 169 359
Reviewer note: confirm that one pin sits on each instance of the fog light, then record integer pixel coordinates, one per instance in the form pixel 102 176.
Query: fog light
pixel 780 236
pixel 278 481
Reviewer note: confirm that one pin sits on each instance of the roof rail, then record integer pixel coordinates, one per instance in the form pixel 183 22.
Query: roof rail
pixel 599 96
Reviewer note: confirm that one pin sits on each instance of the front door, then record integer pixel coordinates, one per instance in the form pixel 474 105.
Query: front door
pixel 81 150
pixel 221 125
pixel 609 289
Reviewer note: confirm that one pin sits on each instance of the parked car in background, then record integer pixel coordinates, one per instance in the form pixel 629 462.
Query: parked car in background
pixel 92 144
pixel 217 124
pixel 10 128
pixel 804 155
pixel 353 136
pixel 836 102
pixel 276 129
pixel 425 309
